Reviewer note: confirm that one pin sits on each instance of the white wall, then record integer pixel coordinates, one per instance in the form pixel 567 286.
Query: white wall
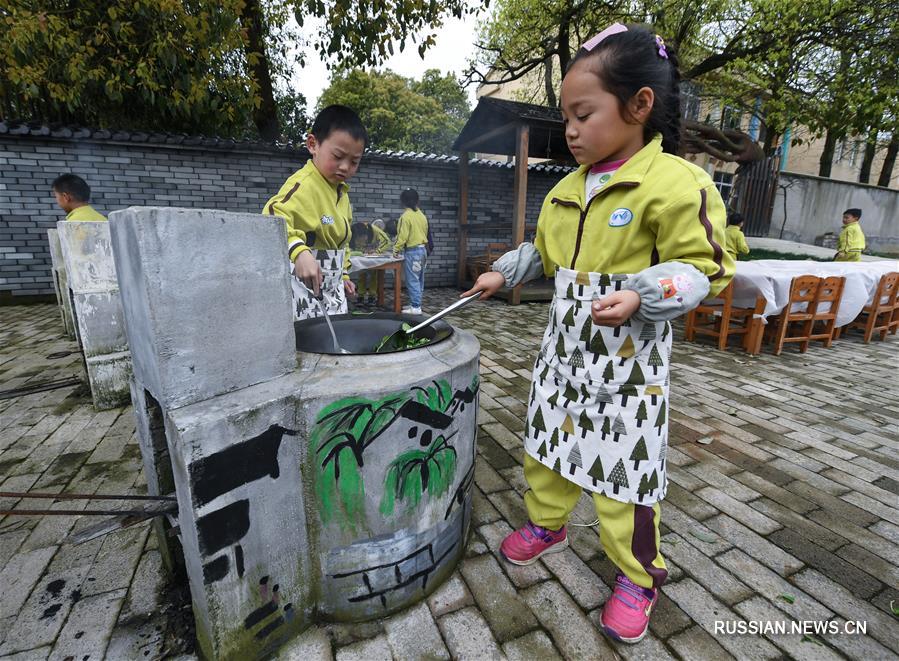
pixel 815 205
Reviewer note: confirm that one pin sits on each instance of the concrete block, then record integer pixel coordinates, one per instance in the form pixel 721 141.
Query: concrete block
pixel 60 283
pixel 207 300
pixel 97 309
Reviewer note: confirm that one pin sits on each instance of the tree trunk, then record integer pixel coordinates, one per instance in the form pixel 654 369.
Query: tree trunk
pixel 772 138
pixel 548 82
pixel 864 175
pixel 266 115
pixel 886 172
pixel 825 163
pixel 564 47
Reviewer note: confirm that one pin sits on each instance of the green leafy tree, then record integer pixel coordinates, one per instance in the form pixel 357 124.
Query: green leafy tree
pixel 541 451
pixel 544 374
pixel 585 423
pixel 585 395
pixel 557 466
pixel 416 472
pixel 639 453
pixel 400 113
pixel 643 488
pixel 647 333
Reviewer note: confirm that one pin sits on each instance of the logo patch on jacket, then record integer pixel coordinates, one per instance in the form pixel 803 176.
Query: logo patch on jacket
pixel 620 217
pixel 327 220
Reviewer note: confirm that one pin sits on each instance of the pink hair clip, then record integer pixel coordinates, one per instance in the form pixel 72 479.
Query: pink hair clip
pixel 661 44
pixel 595 40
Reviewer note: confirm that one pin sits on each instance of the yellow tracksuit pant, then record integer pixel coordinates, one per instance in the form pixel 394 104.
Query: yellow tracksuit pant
pixel 629 532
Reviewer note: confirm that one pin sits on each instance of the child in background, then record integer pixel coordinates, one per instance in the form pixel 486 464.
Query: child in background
pixel 736 242
pixel 852 239
pixel 73 196
pixel 315 204
pixel 368 239
pixel 412 240
pixel 634 238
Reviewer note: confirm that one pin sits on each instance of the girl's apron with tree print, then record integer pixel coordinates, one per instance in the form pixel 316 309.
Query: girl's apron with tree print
pixel 333 296
pixel 598 411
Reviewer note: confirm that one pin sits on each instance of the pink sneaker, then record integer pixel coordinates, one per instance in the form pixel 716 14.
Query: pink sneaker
pixel 625 617
pixel 527 544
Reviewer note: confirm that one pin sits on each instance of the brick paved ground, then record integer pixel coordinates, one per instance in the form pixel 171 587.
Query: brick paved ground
pixel 782 506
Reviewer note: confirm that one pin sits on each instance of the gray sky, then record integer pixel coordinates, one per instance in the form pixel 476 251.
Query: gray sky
pixel 454 47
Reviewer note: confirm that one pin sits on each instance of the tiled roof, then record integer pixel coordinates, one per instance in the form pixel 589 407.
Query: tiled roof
pixel 58 131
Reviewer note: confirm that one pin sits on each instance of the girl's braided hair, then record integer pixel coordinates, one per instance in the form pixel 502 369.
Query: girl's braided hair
pixel 635 58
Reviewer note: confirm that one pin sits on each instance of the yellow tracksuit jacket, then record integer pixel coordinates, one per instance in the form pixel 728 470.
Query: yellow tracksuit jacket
pixel 318 213
pixel 382 240
pixel 85 213
pixel 850 244
pixel 736 241
pixel 411 230
pixel 655 208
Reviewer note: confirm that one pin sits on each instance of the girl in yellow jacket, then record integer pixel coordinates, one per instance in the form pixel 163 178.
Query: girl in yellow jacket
pixel 634 238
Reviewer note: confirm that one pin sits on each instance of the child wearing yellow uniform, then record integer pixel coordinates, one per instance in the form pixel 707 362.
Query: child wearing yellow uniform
pixel 852 239
pixel 634 238
pixel 736 242
pixel 368 239
pixel 315 205
pixel 412 241
pixel 73 196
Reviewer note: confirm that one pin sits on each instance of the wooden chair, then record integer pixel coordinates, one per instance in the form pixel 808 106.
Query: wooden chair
pixel 830 292
pixel 883 314
pixel 720 319
pixel 479 264
pixel 803 290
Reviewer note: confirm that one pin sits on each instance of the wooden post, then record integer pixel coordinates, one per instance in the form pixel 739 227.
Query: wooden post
pixel 519 204
pixel 462 250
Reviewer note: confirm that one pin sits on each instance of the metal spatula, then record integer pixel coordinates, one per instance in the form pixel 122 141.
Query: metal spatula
pixel 396 337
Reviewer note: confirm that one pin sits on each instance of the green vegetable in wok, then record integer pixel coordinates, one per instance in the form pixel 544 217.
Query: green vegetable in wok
pixel 400 341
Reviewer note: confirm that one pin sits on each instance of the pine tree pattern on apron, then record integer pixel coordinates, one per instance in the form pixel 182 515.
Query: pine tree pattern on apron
pixel 598 410
pixel 333 295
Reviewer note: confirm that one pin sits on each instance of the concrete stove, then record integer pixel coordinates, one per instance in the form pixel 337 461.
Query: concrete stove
pixel 309 485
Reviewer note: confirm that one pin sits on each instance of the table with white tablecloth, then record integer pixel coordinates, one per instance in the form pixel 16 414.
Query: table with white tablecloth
pixel 380 264
pixel 771 279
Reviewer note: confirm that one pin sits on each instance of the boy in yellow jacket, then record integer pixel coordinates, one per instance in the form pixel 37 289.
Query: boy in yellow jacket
pixel 852 239
pixel 73 196
pixel 412 241
pixel 315 205
pixel 736 242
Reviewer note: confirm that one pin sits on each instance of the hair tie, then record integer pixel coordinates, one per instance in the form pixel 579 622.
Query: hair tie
pixel 660 43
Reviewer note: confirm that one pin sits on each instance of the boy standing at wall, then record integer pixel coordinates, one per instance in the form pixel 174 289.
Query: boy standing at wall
pixel 315 204
pixel 412 240
pixel 73 196
pixel 852 239
pixel 733 233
